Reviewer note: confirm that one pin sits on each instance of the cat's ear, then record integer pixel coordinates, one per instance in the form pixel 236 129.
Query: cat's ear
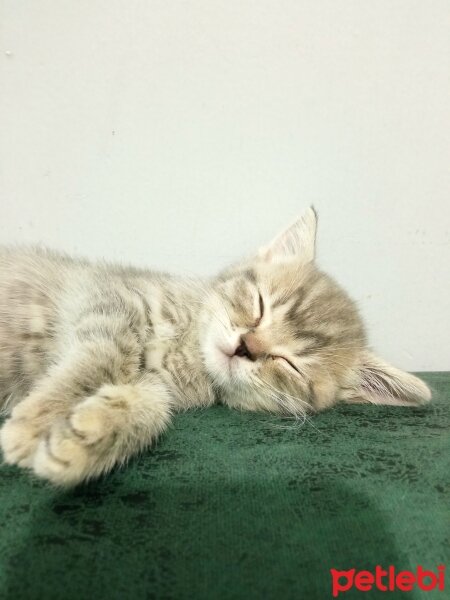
pixel 297 241
pixel 377 382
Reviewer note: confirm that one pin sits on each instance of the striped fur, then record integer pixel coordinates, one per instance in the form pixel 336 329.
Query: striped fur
pixel 95 358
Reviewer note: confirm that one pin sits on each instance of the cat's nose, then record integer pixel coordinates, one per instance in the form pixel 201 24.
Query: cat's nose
pixel 243 351
pixel 249 347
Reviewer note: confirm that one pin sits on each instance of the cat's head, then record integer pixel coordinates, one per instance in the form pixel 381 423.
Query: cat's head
pixel 279 335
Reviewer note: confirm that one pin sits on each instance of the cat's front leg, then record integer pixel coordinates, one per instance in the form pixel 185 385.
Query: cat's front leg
pixel 103 430
pixel 96 358
pixel 88 365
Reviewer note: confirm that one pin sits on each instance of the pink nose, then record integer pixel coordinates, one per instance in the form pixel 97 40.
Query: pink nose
pixel 249 347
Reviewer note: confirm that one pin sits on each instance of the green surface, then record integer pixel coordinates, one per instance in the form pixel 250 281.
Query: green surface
pixel 240 505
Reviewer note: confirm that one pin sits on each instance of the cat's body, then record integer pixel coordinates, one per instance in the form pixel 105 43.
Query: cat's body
pixel 50 303
pixel 95 358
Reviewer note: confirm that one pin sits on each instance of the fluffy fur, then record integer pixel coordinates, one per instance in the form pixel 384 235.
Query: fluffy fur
pixel 95 359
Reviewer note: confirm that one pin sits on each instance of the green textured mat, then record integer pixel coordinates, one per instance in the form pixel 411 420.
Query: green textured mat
pixel 240 505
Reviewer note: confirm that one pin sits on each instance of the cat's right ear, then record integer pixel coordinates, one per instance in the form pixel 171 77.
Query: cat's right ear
pixel 297 241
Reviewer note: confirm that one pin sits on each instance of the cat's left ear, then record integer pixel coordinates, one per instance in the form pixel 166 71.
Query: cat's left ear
pixel 297 241
pixel 378 382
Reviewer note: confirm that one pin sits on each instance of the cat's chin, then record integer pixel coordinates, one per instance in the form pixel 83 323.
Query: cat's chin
pixel 243 397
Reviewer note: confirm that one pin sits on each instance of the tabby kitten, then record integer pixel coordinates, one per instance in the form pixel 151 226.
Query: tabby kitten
pixel 95 359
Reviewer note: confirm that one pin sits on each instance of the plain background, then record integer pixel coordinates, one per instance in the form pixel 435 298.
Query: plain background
pixel 183 134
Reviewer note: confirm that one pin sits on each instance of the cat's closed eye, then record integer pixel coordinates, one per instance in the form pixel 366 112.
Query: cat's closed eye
pixel 261 310
pixel 286 362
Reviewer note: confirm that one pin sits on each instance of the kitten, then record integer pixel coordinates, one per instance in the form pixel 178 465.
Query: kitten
pixel 95 359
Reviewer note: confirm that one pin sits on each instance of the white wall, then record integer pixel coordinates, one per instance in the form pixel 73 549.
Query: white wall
pixel 181 134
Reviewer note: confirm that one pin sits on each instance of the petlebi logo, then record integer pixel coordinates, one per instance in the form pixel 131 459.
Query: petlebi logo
pixel 387 580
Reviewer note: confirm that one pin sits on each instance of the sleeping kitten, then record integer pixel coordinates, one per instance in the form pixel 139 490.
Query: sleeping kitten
pixel 95 359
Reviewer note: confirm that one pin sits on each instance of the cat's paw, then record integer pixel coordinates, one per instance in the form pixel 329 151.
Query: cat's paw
pixel 19 439
pixel 96 420
pixel 60 457
pixel 23 431
pixel 83 445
